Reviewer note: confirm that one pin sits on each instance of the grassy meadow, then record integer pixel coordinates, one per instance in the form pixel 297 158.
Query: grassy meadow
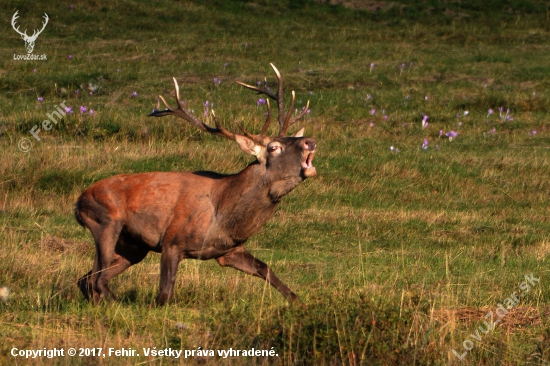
pixel 429 209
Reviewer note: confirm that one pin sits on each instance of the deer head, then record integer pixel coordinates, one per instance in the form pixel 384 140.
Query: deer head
pixel 29 40
pixel 270 151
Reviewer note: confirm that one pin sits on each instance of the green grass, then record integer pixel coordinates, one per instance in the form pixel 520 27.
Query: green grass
pixel 397 256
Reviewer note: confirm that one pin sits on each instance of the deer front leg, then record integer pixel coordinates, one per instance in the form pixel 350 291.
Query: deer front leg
pixel 169 261
pixel 242 260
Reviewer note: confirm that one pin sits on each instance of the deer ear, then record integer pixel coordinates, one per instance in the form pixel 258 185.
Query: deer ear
pixel 299 133
pixel 248 146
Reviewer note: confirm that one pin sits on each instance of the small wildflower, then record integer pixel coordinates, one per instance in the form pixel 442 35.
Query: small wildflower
pixel 385 118
pixel 68 110
pixel 489 112
pixel 76 92
pixel 40 99
pixel 83 109
pixel 134 94
pixel 426 97
pixel 117 71
pixel 371 124
pixel 259 83
pixel 70 57
pixel 372 112
pixel 310 93
pixel 206 108
pixel 532 133
pixel 425 121
pixel 459 124
pixel 440 133
pixel 261 101
pixel 35 71
pixel 225 65
pixel 71 7
pixel 425 144
pixel 466 113
pixel 371 66
pixel 494 130
pixel 91 112
pixel 451 135
pixel 407 97
pixel 217 81
pixel 369 96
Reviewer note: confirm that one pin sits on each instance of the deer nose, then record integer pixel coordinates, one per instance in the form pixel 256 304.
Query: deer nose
pixel 309 144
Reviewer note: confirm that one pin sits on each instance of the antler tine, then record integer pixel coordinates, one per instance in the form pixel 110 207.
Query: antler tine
pixel 184 114
pixel 279 98
pixel 220 131
pixel 285 125
pixel 259 90
pixel 295 119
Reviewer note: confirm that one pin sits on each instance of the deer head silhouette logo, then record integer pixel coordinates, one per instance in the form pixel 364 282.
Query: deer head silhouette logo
pixel 29 40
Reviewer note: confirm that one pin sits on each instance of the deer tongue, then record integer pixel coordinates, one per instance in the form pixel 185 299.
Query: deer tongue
pixel 307 166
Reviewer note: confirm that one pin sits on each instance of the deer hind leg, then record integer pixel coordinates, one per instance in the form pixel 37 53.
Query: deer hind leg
pixel 95 283
pixel 242 260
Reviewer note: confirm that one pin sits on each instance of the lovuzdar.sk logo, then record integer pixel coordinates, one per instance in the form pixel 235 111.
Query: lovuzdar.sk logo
pixel 29 40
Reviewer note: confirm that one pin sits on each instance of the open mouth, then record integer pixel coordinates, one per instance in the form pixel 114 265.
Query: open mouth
pixel 307 165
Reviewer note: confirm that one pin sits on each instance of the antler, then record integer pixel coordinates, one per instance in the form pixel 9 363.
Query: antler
pixel 186 115
pixel 285 121
pixel 13 19
pixel 35 34
pixel 24 35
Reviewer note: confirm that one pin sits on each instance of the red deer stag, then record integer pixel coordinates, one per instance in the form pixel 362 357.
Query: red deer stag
pixel 199 215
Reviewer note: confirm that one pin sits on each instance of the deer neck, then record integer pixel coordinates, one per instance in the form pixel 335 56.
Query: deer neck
pixel 246 201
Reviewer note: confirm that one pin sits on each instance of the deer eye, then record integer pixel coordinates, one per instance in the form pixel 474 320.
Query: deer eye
pixel 273 148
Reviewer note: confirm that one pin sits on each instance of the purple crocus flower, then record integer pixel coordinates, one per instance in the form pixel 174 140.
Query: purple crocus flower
pixel 92 112
pixel 261 101
pixel 371 124
pixel 68 110
pixel 440 133
pixel 385 118
pixel 70 57
pixel 425 121
pixel 371 66
pixel 425 144
pixel 83 109
pixel 206 108
pixel 451 135
pixel 35 71
pixel 489 112
pixel 369 96
pixel 217 81
pixel 40 99
pixel 372 112
pixel 134 94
